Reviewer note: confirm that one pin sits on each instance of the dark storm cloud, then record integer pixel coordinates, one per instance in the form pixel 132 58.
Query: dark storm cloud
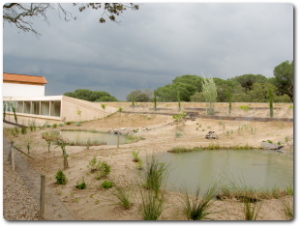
pixel 152 45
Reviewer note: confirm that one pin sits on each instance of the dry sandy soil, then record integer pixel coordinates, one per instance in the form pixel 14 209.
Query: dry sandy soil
pixel 159 132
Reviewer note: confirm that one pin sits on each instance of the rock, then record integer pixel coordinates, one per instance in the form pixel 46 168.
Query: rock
pixel 211 135
pixel 270 146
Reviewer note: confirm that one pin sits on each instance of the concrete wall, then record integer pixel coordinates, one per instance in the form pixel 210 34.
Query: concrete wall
pixel 80 110
pixel 56 109
pixel 21 90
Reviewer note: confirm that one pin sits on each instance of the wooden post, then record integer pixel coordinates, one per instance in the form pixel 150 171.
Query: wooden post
pixel 42 196
pixel 12 158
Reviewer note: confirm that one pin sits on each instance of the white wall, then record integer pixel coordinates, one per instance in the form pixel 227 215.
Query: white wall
pixel 17 90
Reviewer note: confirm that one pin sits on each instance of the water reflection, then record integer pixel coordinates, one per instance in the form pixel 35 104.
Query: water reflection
pixel 253 168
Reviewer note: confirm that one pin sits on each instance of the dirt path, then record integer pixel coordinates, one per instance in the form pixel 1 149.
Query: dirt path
pixel 22 192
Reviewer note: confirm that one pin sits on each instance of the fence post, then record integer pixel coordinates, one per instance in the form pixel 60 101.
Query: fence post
pixel 12 157
pixel 42 196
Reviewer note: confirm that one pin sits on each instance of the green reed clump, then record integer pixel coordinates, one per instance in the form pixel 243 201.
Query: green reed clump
pixel 154 174
pixel 197 208
pixel 122 197
pixel 151 205
pixel 250 210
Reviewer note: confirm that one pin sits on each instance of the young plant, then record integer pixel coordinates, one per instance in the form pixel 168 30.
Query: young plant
pixel 106 184
pixel 60 177
pixel 62 143
pixel 209 90
pixel 198 208
pixel 103 169
pixel 229 97
pixel 135 155
pixel 28 142
pixel 81 185
pixel 103 106
pixel 178 100
pixel 271 99
pixel 155 101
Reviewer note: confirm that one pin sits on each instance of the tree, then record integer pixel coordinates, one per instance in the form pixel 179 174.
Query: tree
pixel 193 80
pixel 92 96
pixel 21 14
pixel 138 96
pixel 247 80
pixel 284 78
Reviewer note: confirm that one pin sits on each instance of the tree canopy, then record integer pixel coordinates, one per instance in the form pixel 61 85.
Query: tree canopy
pixel 284 78
pixel 92 96
pixel 21 14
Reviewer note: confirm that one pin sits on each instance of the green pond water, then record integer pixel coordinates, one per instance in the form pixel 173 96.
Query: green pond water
pixel 83 136
pixel 256 169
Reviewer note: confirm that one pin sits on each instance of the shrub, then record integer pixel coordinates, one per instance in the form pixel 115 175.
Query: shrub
pixel 81 185
pixel 106 184
pixel 68 123
pixel 103 170
pixel 78 123
pixel 60 177
pixel 54 126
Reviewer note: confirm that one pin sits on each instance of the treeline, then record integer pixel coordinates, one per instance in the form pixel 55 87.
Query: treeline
pixel 244 88
pixel 92 96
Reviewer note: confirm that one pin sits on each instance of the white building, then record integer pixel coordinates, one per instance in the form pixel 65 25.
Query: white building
pixel 19 85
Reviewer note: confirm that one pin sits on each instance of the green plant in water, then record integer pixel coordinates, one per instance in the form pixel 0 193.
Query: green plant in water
pixel 60 177
pixel 197 208
pixel 106 184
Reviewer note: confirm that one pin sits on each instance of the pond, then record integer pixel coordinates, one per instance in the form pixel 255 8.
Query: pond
pixel 82 136
pixel 255 169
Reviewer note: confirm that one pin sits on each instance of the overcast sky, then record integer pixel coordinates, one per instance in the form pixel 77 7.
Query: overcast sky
pixel 151 46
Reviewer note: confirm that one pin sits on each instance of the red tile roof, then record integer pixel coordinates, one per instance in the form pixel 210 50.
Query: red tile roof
pixel 23 79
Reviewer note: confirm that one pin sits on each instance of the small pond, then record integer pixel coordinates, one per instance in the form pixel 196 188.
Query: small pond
pixel 82 136
pixel 256 169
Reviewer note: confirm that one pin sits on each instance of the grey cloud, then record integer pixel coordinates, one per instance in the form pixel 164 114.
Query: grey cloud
pixel 153 45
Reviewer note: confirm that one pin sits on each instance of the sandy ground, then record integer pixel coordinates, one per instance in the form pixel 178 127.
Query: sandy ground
pixel 159 132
